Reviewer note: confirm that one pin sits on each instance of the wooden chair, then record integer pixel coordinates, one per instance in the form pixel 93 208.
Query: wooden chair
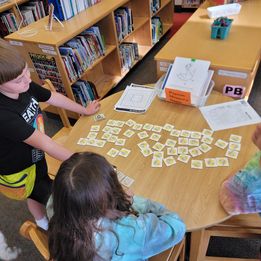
pixel 61 136
pixel 241 226
pixel 173 254
pixel 39 237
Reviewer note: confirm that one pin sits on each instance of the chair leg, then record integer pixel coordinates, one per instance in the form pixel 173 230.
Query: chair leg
pixel 199 244
pixel 183 251
pixel 177 252
pixel 25 228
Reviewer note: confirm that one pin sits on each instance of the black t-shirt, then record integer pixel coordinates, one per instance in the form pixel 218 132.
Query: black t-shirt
pixel 18 120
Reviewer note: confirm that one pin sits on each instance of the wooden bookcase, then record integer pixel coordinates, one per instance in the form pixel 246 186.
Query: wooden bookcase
pixel 106 71
pixel 11 7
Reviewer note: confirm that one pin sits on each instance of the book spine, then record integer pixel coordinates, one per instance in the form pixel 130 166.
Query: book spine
pixel 58 11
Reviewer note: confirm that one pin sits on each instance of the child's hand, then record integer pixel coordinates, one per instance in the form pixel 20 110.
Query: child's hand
pixel 257 136
pixel 129 193
pixel 93 107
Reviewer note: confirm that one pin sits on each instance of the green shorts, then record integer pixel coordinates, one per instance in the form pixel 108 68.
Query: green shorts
pixel 32 182
pixel 18 185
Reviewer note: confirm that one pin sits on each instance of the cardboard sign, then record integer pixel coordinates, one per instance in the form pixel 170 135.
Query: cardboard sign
pixel 178 96
pixel 234 91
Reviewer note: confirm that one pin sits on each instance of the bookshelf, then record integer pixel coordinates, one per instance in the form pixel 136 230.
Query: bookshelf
pixel 106 70
pixel 13 11
pixel 10 7
pixel 187 5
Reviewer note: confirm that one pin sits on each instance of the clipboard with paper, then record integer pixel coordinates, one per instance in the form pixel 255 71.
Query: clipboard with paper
pixel 187 81
pixel 135 99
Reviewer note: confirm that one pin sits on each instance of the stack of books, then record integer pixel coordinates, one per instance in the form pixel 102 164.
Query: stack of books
pixel 66 9
pixel 124 22
pixel 80 52
pixel 154 5
pixel 2 2
pixel 8 24
pixel 129 53
pixel 32 11
pixel 46 68
pixel 84 92
pixel 187 81
pixel 157 29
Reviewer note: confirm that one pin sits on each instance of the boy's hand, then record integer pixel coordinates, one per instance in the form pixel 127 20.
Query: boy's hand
pixel 93 107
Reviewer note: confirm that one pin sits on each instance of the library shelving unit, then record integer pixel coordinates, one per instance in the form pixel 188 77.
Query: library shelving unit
pixel 106 71
pixel 187 5
pixel 11 7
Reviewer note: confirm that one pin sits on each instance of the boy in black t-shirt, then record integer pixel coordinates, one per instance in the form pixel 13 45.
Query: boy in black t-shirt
pixel 23 169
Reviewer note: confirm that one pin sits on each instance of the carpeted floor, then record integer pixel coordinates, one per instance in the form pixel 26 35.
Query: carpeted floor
pixel 13 213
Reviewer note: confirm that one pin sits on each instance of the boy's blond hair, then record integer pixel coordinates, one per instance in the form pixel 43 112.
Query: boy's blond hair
pixel 11 62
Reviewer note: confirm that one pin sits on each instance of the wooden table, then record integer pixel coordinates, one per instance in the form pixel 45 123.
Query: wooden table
pixel 235 60
pixel 193 194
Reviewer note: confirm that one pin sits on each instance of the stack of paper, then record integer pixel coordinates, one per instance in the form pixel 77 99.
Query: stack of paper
pixel 136 99
pixel 230 115
pixel 188 81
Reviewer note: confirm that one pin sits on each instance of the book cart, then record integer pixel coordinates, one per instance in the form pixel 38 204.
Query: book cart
pixel 36 44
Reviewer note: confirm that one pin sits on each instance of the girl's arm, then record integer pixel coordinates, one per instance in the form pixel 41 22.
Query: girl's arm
pixel 144 205
pixel 62 101
pixel 161 227
pixel 43 142
pixel 161 232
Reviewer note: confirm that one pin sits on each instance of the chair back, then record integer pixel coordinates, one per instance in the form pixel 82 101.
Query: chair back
pixel 62 112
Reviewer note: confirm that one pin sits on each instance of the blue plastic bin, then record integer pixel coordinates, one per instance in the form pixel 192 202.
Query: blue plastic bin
pixel 220 32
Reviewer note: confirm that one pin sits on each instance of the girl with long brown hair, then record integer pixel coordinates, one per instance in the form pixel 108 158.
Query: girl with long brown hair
pixel 95 219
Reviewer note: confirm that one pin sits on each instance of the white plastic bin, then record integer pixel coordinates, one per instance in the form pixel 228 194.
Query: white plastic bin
pixel 223 10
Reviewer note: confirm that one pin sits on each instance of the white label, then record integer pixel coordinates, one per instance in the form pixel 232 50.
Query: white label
pixel 163 69
pixel 49 52
pixel 46 47
pixel 232 74
pixel 16 43
pixel 164 64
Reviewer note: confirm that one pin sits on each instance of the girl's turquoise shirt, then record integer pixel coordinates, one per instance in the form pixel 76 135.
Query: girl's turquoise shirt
pixel 134 238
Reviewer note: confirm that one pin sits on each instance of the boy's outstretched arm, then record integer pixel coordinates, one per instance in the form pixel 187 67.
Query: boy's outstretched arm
pixel 62 101
pixel 43 142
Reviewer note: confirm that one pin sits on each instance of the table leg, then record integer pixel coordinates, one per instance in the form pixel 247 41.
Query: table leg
pixel 198 245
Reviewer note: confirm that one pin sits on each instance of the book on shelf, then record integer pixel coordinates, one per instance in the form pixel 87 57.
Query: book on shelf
pixel 37 9
pixel 66 9
pixel 157 29
pixel 28 16
pixel 187 81
pixel 81 51
pixel 46 68
pixel 84 92
pixel 8 23
pixel 155 5
pixel 2 2
pixel 94 30
pixel 32 11
pixel 124 22
pixel 128 54
pixel 73 64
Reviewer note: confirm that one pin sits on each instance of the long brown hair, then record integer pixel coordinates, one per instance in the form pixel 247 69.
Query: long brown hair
pixel 11 62
pixel 85 189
